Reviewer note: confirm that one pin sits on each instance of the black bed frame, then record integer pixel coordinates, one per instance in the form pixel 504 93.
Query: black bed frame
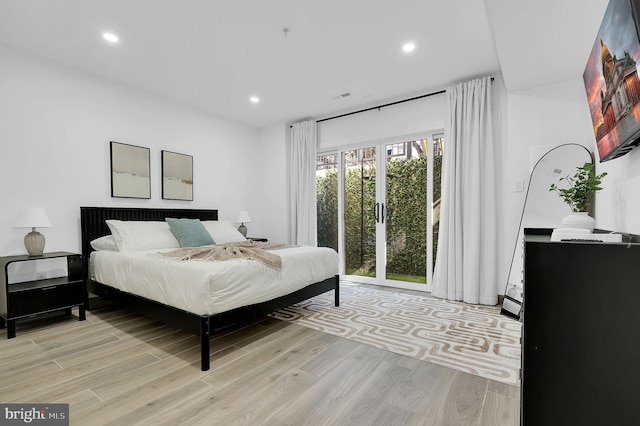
pixel 93 225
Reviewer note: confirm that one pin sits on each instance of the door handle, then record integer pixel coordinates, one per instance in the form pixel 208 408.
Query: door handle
pixel 379 212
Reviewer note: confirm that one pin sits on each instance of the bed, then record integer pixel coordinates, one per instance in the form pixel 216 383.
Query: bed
pixel 195 316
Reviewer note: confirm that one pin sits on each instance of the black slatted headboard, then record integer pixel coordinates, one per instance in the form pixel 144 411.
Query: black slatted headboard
pixel 93 225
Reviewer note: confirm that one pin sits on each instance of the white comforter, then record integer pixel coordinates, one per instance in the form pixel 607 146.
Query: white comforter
pixel 209 287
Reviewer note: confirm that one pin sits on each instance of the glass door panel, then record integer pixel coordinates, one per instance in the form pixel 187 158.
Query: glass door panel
pixel 406 212
pixel 359 212
pixel 327 200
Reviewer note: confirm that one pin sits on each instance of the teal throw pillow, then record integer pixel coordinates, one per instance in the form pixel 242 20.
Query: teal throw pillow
pixel 190 232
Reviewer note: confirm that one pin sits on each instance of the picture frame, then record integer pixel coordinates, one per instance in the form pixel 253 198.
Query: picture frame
pixel 130 171
pixel 177 176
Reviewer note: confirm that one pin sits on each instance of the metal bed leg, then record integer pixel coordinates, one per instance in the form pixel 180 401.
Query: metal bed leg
pixel 204 343
pixel 337 291
pixel 11 329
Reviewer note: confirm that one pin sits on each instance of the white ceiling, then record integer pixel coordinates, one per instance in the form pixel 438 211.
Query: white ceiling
pixel 540 42
pixel 215 54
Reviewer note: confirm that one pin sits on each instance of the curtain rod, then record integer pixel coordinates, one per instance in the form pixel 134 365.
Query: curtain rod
pixel 384 105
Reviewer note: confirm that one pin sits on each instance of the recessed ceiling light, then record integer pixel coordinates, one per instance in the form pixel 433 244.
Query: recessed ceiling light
pixel 254 99
pixel 110 37
pixel 408 47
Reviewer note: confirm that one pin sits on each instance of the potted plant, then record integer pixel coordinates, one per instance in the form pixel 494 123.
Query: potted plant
pixel 582 187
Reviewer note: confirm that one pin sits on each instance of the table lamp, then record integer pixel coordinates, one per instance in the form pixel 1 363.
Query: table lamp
pixel 33 217
pixel 243 217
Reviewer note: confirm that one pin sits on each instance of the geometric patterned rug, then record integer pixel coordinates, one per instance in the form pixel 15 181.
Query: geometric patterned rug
pixel 475 339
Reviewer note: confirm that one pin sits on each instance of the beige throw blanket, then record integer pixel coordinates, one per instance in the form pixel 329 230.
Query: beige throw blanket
pixel 241 250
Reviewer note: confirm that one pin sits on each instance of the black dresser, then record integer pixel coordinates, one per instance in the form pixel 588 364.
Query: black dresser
pixel 581 332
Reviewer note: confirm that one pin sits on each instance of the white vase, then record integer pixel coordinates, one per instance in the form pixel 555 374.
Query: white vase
pixel 580 220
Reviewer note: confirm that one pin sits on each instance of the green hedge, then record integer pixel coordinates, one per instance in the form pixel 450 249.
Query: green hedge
pixel 406 220
pixel 327 209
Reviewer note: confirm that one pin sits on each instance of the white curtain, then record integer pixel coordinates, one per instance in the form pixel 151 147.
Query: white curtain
pixel 303 183
pixel 467 263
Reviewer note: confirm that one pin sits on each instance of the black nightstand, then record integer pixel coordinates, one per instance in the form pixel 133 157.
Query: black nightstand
pixel 27 299
pixel 257 239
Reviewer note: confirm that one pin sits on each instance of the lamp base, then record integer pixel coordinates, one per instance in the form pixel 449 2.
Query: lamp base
pixel 34 242
pixel 243 230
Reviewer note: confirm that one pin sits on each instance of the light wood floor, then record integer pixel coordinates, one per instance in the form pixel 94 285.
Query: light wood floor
pixel 120 368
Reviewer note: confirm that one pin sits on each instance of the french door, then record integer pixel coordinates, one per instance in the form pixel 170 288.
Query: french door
pixel 376 208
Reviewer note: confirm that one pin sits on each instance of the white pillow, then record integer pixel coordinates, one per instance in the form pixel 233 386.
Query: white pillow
pixel 104 243
pixel 222 231
pixel 130 235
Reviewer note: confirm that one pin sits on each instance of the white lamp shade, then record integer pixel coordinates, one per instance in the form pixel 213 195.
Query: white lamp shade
pixel 243 217
pixel 32 217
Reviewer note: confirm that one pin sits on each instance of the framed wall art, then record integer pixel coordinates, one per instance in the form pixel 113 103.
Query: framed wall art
pixel 130 171
pixel 177 176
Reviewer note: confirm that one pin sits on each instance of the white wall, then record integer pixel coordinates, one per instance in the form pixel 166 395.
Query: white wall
pixel 538 120
pixel 272 199
pixel 55 129
pixel 555 114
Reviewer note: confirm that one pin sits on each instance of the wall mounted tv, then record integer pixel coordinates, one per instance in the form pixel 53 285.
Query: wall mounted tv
pixel 611 80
